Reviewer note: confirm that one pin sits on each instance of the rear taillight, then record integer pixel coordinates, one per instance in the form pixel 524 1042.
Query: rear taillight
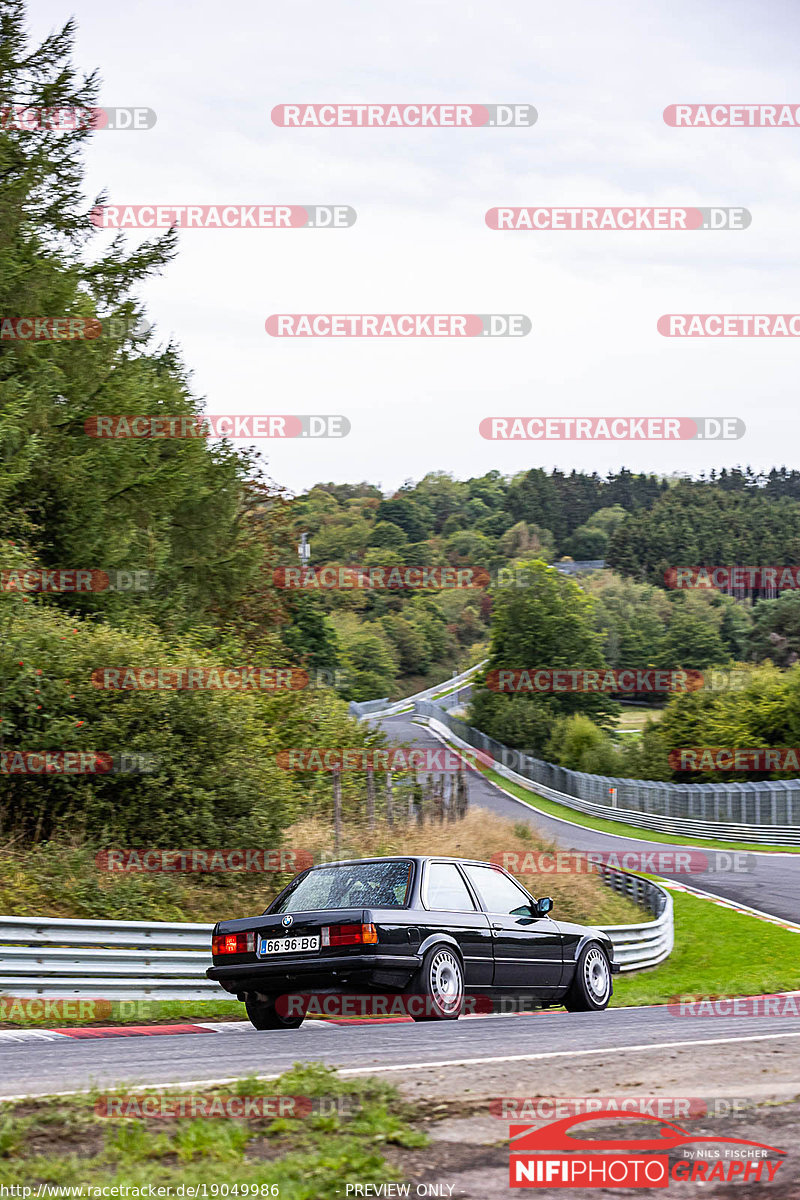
pixel 233 943
pixel 349 935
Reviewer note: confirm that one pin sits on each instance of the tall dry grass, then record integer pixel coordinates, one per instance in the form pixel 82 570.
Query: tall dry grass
pixel 61 878
pixel 479 835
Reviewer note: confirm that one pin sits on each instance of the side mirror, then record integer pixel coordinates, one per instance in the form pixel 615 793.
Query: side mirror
pixel 543 906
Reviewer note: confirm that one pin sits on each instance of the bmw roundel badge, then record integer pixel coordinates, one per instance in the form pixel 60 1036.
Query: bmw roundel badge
pixel 287 921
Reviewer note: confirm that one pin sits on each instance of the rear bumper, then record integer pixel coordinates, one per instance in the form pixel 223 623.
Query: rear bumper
pixel 331 971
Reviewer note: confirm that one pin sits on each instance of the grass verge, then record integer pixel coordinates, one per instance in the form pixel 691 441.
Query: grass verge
pixel 61 879
pixel 632 719
pixel 37 1013
pixel 718 952
pixel 63 1140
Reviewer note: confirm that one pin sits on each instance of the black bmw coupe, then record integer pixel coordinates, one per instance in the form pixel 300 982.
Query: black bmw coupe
pixel 436 931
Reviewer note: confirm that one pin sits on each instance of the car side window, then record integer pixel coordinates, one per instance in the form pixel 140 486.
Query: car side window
pixel 446 889
pixel 499 893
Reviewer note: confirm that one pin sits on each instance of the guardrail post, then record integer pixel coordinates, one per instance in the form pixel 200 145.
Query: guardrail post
pixel 389 800
pixel 337 813
pixel 370 798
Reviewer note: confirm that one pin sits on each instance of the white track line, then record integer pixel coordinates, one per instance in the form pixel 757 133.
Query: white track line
pixel 30 1035
pixel 225 1026
pixel 467 1062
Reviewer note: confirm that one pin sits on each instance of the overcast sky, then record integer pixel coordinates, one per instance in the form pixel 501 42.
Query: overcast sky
pixel 599 75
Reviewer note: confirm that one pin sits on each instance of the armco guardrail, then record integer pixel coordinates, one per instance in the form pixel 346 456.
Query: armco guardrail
pixel 141 960
pixel 114 960
pixel 363 708
pixel 761 811
pixel 645 945
pixel 386 708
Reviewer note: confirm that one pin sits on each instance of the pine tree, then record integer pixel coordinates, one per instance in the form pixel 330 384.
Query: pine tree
pixel 177 507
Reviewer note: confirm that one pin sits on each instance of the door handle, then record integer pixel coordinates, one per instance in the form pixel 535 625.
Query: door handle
pixel 496 925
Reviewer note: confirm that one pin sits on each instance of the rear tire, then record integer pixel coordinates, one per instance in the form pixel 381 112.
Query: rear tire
pixel 440 982
pixel 590 990
pixel 263 1015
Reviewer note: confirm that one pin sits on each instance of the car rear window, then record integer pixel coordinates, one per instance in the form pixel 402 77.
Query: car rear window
pixel 351 885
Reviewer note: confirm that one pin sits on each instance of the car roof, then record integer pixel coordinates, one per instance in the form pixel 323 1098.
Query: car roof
pixel 416 858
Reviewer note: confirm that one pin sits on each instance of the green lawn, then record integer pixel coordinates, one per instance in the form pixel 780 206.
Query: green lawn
pixel 63 1141
pixel 631 718
pixel 127 1012
pixel 718 952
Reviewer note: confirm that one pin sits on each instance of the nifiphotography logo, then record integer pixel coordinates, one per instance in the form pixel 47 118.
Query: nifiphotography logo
pixel 551 1156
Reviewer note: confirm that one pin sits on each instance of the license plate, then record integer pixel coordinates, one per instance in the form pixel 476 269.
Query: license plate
pixel 289 945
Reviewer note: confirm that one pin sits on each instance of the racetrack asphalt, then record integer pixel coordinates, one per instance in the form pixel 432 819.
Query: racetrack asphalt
pixel 42 1067
pixel 771 884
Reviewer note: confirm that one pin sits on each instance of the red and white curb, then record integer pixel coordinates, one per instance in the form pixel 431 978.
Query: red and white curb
pixel 89 1032
pixel 83 1032
pixel 734 905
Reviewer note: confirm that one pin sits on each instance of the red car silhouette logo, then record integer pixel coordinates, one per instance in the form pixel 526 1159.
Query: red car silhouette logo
pixel 554 1137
